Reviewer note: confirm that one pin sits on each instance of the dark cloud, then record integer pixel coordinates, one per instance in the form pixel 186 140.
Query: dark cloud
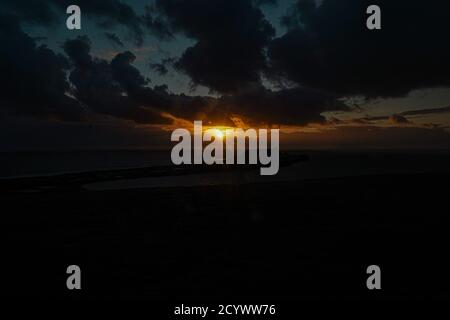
pixel 20 133
pixel 367 137
pixel 79 51
pixel 96 86
pixel 36 81
pixel 110 13
pixel 297 106
pixel 265 2
pixel 230 39
pixel 128 76
pixel 34 11
pixel 33 78
pixel 327 53
pixel 104 86
pixel 426 111
pixel 121 80
pixel 228 57
pixel 114 39
pixel 401 118
pixel 117 88
pixel 328 47
pixel 107 13
pixel 37 39
pixel 158 98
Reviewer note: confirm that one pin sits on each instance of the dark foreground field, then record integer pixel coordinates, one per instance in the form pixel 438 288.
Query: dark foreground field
pixel 264 242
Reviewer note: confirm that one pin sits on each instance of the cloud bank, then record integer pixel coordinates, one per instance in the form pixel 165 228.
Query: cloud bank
pixel 325 55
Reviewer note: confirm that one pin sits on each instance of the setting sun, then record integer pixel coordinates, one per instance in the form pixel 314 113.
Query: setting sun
pixel 219 134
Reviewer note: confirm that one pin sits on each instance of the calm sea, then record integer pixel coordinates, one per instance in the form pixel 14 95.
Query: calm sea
pixel 321 165
pixel 17 164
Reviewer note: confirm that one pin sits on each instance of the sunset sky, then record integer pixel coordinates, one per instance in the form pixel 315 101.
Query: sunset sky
pixel 138 69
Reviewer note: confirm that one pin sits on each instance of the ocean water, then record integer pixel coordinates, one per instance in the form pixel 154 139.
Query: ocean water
pixel 22 164
pixel 322 164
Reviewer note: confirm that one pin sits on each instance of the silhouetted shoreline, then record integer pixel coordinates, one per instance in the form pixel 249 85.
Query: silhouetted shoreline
pixel 284 241
pixel 74 181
